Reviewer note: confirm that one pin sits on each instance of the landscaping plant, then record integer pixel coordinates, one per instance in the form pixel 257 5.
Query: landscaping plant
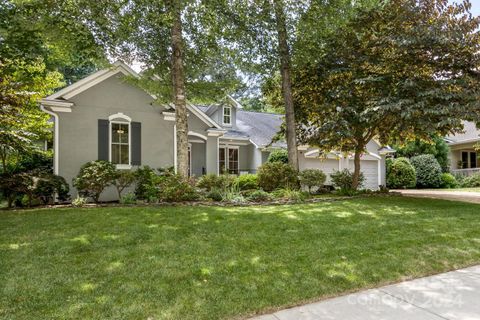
pixel 213 181
pixel 401 174
pixel 343 180
pixel 312 178
pixel 145 181
pixel 93 178
pixel 449 181
pixel 472 181
pixel 276 175
pixel 122 180
pixel 247 182
pixel 278 155
pixel 428 171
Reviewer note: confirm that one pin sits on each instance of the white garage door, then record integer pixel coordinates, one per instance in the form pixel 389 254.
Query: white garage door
pixel 328 166
pixel 370 171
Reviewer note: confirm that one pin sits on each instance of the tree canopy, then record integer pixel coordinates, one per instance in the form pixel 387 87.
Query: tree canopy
pixel 402 69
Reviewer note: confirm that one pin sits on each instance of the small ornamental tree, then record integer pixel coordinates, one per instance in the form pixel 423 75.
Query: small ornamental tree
pixel 311 178
pixel 93 178
pixel 401 174
pixel 343 179
pixel 122 180
pixel 428 171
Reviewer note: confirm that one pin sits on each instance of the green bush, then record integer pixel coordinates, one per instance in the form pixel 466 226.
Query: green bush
pixel 215 195
pixel 128 198
pixel 213 181
pixel 145 178
pixel 93 178
pixel 472 181
pixel 247 182
pixel 123 179
pixel 448 181
pixel 311 178
pixel 276 175
pixel 278 155
pixel 259 196
pixel 48 185
pixel 344 179
pixel 79 201
pixel 401 174
pixel 428 171
pixel 173 187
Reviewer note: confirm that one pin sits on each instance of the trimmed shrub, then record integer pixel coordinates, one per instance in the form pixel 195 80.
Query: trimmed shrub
pixel 401 174
pixel 428 171
pixel 278 155
pixel 276 175
pixel 145 181
pixel 93 178
pixel 344 179
pixel 449 181
pixel 259 196
pixel 213 181
pixel 247 182
pixel 311 178
pixel 472 181
pixel 175 188
pixel 48 185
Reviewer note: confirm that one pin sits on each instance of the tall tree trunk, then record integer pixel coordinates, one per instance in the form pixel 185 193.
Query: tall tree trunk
pixel 356 171
pixel 179 98
pixel 285 71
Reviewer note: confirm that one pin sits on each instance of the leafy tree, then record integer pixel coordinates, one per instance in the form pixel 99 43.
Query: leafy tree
pixel 436 146
pixel 21 122
pixel 123 179
pixel 405 68
pixel 176 43
pixel 312 178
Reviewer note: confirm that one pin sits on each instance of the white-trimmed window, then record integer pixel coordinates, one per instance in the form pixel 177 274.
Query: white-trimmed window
pixel 228 160
pixel 227 115
pixel 120 141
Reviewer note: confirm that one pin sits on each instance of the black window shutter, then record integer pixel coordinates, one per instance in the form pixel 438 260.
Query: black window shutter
pixel 103 126
pixel 136 144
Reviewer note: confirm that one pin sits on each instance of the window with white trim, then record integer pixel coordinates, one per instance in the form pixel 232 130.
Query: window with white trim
pixel 228 160
pixel 120 143
pixel 227 115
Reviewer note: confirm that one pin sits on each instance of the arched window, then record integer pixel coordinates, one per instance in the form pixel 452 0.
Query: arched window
pixel 120 140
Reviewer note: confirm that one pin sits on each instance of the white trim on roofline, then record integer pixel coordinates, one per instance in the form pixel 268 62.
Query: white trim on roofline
pixel 463 141
pixel 93 79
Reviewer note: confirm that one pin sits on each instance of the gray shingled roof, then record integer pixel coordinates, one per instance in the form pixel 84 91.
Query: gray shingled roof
pixel 471 133
pixel 259 127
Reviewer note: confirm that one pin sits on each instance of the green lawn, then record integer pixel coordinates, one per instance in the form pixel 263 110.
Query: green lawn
pixel 210 263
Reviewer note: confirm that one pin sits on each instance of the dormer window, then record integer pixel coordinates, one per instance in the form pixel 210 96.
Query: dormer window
pixel 227 115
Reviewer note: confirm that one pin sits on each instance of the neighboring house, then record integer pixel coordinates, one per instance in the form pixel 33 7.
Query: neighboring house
pixel 105 117
pixel 464 159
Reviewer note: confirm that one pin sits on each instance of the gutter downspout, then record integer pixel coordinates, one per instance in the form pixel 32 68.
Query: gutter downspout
pixel 55 138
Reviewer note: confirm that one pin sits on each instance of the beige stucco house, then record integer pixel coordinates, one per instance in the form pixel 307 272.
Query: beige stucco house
pixel 105 117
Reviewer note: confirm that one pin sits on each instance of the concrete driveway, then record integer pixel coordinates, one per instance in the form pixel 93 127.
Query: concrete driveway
pixel 465 196
pixel 449 296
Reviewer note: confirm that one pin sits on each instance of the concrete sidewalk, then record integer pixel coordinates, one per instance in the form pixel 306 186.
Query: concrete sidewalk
pixel 449 296
pixel 465 196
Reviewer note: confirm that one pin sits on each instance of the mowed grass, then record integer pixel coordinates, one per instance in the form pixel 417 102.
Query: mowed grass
pixel 221 263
